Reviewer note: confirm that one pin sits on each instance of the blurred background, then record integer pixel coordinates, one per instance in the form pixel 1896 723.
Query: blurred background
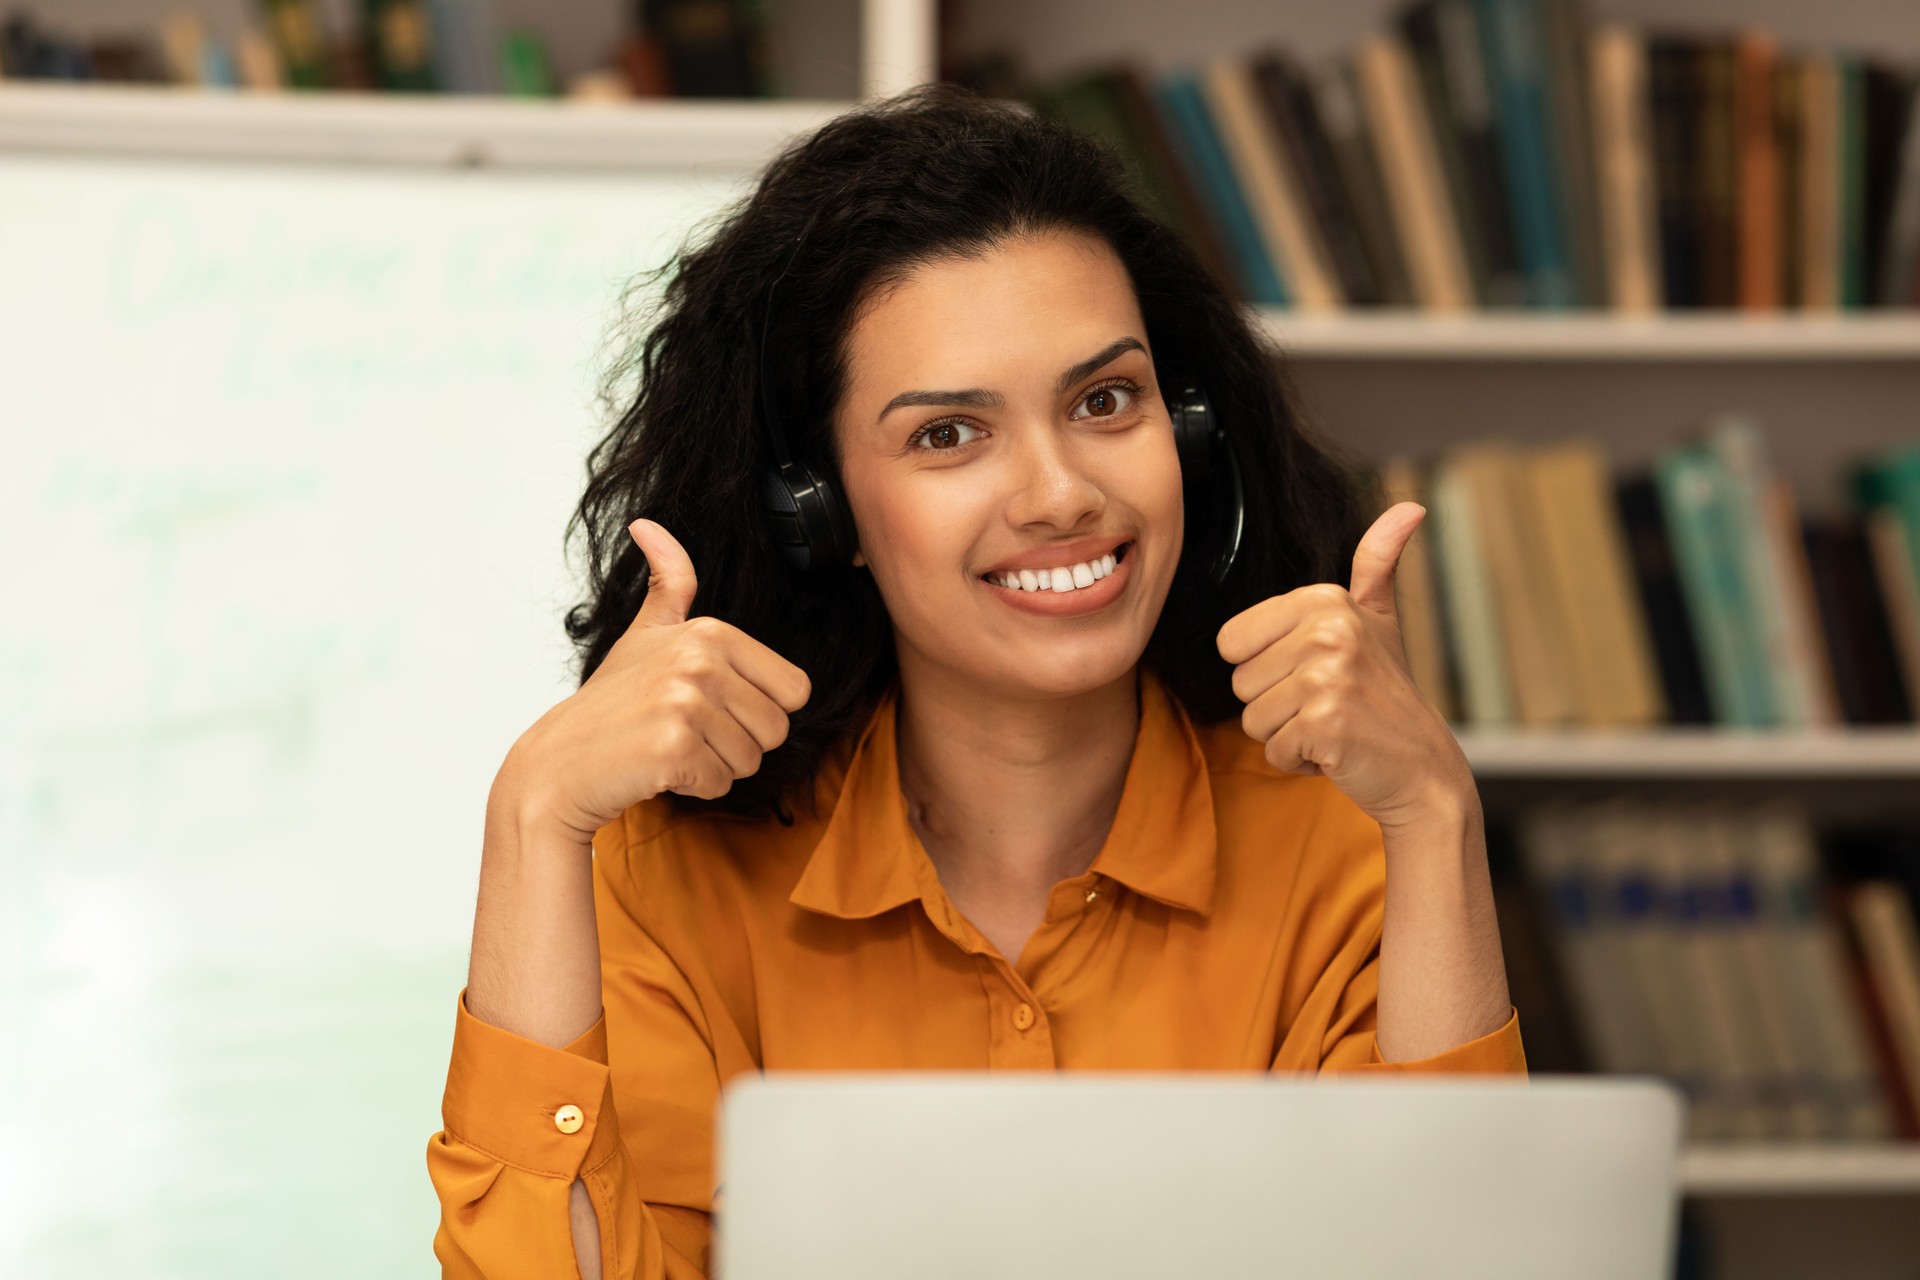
pixel 310 311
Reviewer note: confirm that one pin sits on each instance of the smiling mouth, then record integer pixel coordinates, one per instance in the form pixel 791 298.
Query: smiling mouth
pixel 1062 578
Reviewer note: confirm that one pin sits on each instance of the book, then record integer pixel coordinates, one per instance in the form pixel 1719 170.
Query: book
pixel 1416 593
pixel 1677 652
pixel 300 41
pixel 1889 941
pixel 1820 204
pixel 399 43
pixel 709 47
pixel 1272 190
pixel 1516 59
pixel 1886 107
pixel 1466 593
pixel 1867 676
pixel 1716 181
pixel 1757 184
pixel 1900 268
pixel 1612 1013
pixel 1672 93
pixel 1415 187
pixel 1899 583
pixel 1711 560
pixel 464 41
pixel 1623 149
pixel 1773 573
pixel 1565 32
pixel 1638 907
pixel 1211 173
pixel 1853 181
pixel 1589 583
pixel 1295 114
pixel 1825 1021
pixel 1535 981
pixel 1343 116
pixel 1444 42
pixel 1510 538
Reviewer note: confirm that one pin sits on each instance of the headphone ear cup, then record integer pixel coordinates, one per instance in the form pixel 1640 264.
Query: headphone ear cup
pixel 1210 474
pixel 811 526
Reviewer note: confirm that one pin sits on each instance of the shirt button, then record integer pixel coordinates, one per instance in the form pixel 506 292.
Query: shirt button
pixel 568 1119
pixel 1023 1017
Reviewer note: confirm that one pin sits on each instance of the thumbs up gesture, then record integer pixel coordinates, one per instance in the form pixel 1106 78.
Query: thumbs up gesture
pixel 1328 691
pixel 680 704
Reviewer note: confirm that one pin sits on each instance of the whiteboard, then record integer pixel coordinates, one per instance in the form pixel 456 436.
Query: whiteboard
pixel 288 458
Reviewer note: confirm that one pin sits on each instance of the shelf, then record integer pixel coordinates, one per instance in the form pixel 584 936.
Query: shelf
pixel 1694 753
pixel 728 135
pixel 1810 1169
pixel 1403 335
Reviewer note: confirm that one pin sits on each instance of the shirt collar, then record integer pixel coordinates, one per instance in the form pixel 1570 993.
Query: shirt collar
pixel 1163 844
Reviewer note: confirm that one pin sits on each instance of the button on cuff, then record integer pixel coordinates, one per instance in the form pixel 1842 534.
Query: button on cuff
pixel 568 1119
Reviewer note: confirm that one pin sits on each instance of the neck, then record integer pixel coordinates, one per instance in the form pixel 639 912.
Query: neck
pixel 1013 792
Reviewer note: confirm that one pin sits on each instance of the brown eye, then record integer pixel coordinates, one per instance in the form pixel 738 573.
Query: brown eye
pixel 945 437
pixel 1105 402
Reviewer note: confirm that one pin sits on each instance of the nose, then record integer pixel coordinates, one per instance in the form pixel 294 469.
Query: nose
pixel 1054 489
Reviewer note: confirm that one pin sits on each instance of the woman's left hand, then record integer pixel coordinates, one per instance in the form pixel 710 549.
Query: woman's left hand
pixel 1325 680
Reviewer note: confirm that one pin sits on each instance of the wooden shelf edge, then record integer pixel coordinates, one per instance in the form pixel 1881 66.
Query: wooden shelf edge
pixel 403 129
pixel 1700 753
pixel 1890 1168
pixel 1724 336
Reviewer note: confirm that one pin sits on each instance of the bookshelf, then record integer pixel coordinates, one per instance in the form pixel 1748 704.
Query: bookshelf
pixel 420 130
pixel 1594 337
pixel 1891 753
pixel 1832 1169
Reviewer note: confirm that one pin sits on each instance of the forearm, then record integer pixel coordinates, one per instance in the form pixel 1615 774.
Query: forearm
pixel 535 965
pixel 1443 981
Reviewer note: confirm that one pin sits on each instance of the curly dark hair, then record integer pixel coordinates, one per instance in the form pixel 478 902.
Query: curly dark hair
pixel 935 172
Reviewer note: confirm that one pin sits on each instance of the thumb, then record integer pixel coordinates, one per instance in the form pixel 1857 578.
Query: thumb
pixel 1378 555
pixel 670 581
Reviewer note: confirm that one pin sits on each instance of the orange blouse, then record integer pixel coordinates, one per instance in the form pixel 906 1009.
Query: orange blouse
pixel 1230 922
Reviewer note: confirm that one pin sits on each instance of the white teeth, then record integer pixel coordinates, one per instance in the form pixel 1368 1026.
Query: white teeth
pixel 1068 578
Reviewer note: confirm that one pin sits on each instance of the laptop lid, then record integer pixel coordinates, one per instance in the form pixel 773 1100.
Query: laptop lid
pixel 934 1174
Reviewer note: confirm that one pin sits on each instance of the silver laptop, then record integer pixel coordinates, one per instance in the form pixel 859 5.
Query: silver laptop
pixel 930 1175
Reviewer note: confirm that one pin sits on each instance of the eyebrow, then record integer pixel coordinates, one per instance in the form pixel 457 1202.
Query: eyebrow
pixel 978 398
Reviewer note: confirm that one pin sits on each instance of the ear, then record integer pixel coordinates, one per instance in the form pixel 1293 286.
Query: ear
pixel 859 561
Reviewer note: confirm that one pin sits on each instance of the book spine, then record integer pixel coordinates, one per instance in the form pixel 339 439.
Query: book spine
pixel 1623 147
pixel 1900 272
pixel 1516 67
pixel 1181 98
pixel 1758 184
pixel 1416 190
pixel 1708 554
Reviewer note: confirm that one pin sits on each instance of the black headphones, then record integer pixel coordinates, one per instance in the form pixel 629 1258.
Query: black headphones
pixel 813 527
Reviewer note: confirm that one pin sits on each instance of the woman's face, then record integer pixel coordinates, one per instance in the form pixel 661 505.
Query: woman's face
pixel 1002 429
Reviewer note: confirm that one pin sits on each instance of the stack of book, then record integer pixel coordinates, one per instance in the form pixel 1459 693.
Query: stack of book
pixel 1509 153
pixel 677 48
pixel 1543 590
pixel 1710 946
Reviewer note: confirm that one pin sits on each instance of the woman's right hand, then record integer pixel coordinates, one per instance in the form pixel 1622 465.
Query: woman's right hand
pixel 679 704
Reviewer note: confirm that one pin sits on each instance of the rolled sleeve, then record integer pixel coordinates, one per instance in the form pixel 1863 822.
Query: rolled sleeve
pixel 505 1094
pixel 1499 1052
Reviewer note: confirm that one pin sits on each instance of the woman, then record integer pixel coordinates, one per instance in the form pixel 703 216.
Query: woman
pixel 1007 780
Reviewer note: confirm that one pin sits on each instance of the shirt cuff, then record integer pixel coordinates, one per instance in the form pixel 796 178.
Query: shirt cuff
pixel 1499 1052
pixel 515 1099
